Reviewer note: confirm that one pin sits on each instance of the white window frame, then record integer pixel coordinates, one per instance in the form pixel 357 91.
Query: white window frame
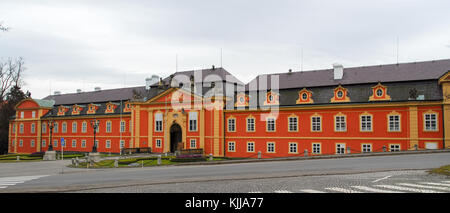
pixel 340 150
pixel 394 147
pixel 33 114
pixel 64 127
pixel 251 146
pixel 44 143
pixel 231 146
pixel 122 144
pixel 33 128
pixel 316 148
pixel 251 125
pixel 193 121
pixel 293 147
pixel 74 127
pixel 365 124
pixel 122 126
pixel 394 123
pixel 32 143
pixel 270 147
pixel 108 144
pixel 74 143
pixel 158 143
pixel 193 143
pixel 84 127
pixel 108 126
pixel 83 143
pixel 44 127
pixel 430 120
pixel 316 124
pixel 271 124
pixel 293 125
pixel 158 122
pixel 231 124
pixel 366 148
pixel 340 123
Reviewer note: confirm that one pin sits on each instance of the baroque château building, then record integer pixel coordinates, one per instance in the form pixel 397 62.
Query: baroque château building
pixel 332 111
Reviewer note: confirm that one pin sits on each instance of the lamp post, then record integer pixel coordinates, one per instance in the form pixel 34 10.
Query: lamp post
pixel 50 124
pixel 95 124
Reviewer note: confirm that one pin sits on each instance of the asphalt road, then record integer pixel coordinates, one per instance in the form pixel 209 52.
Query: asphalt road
pixel 319 175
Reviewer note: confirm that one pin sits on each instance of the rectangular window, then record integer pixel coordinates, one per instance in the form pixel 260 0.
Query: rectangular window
pixel 394 123
pixel 14 128
pixel 271 147
pixel 74 127
pixel 122 144
pixel 32 143
pixel 21 143
pixel 366 123
pixel 250 146
pixel 108 144
pixel 22 115
pixel 366 148
pixel 33 127
pixel 108 126
pixel 44 127
pixel 394 147
pixel 84 127
pixel 340 148
pixel 340 124
pixel 193 143
pixel 316 124
pixel 293 148
pixel 74 143
pixel 293 124
pixel 158 143
pixel 270 123
pixel 158 122
pixel 33 114
pixel 21 128
pixel 55 143
pixel 122 126
pixel 316 148
pixel 64 127
pixel 83 143
pixel 231 146
pixel 250 124
pixel 193 121
pixel 430 122
pixel 44 143
pixel 55 127
pixel 96 143
pixel 231 125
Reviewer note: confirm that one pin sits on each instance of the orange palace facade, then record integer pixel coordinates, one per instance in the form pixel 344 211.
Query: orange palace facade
pixel 392 107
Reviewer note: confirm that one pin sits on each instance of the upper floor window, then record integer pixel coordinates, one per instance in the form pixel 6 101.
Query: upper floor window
pixel 84 127
pixel 340 123
pixel 192 121
pixel 231 124
pixel 33 114
pixel 33 127
pixel 74 127
pixel 293 124
pixel 270 124
pixel 316 123
pixel 44 127
pixel 158 122
pixel 21 128
pixel 430 120
pixel 366 123
pixel 394 123
pixel 122 126
pixel 250 124
pixel 64 127
pixel 22 114
pixel 55 127
pixel 108 126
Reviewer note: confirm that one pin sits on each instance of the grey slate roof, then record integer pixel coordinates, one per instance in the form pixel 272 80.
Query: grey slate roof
pixel 415 71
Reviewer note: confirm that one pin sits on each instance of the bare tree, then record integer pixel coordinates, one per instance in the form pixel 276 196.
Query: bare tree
pixel 10 75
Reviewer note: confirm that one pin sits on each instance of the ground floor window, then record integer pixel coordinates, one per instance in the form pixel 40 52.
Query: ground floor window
pixel 293 148
pixel 55 143
pixel 316 148
pixel 108 144
pixel 231 146
pixel 32 143
pixel 193 143
pixel 394 147
pixel 83 143
pixel 44 143
pixel 74 143
pixel 158 143
pixel 271 147
pixel 366 148
pixel 250 146
pixel 122 144
pixel 340 148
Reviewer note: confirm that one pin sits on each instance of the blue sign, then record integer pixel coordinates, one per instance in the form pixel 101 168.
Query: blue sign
pixel 63 142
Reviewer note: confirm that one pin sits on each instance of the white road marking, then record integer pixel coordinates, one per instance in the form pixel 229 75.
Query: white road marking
pixel 425 186
pixel 11 181
pixel 407 189
pixel 342 190
pixel 311 191
pixel 381 179
pixel 366 188
pixel 436 184
pixel 282 191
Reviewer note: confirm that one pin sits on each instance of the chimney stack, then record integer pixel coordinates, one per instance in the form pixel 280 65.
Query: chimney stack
pixel 57 93
pixel 150 81
pixel 338 70
pixel 97 89
pixel 78 90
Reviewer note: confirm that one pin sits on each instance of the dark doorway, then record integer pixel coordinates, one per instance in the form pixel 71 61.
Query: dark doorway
pixel 175 137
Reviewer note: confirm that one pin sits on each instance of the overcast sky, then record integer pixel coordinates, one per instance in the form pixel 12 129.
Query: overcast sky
pixel 69 45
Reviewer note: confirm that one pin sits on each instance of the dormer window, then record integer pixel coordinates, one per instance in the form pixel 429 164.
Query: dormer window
pixel 242 100
pixel 271 98
pixel 340 95
pixel 379 93
pixel 304 97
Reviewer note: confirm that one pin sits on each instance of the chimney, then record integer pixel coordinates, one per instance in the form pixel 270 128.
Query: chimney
pixel 97 89
pixel 57 93
pixel 78 90
pixel 151 81
pixel 338 71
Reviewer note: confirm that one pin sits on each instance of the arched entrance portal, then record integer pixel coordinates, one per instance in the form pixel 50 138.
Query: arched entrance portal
pixel 175 137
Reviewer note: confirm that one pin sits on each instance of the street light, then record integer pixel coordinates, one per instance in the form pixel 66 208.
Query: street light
pixel 95 124
pixel 50 124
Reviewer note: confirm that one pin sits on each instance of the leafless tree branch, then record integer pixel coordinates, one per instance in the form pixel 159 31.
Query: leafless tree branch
pixel 10 75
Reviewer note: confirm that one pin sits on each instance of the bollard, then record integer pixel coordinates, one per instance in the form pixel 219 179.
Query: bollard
pixel 73 161
pixel 116 163
pixel 384 148
pixel 306 153
pixel 18 158
pixel 348 150
pixel 159 160
pixel 210 157
pixel 165 154
pixel 415 147
pixel 259 154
